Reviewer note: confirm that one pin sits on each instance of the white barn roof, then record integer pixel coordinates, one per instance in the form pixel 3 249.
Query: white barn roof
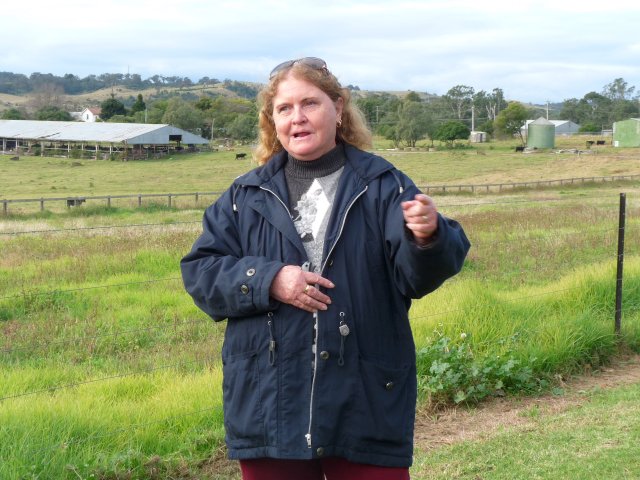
pixel 126 133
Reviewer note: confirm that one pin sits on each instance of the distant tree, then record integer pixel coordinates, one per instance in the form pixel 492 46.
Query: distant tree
pixel 243 127
pixel 511 120
pixel 13 114
pixel 111 107
pixel 156 111
pixel 14 83
pixel 460 99
pixel 121 119
pixel 182 114
pixel 489 103
pixel 589 128
pixel 413 122
pixel 71 84
pixel 53 113
pixel 451 131
pixel 487 126
pixel 241 89
pixel 619 89
pixel 603 109
pixel 47 95
pixel 139 105
pixel 377 109
pixel 204 103
pixel 412 97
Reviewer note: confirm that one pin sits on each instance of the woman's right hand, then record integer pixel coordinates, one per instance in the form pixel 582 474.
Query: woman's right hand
pixel 296 287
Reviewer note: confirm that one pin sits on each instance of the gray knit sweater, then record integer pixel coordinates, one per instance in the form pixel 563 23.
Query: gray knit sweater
pixel 312 187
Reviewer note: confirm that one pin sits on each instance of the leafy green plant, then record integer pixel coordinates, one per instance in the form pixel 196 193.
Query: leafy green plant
pixel 450 373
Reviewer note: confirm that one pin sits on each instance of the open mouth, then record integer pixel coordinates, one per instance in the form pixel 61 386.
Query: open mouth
pixel 300 134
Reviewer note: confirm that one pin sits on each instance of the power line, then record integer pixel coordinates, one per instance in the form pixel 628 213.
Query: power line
pixel 96 380
pixel 87 338
pixel 81 289
pixel 100 227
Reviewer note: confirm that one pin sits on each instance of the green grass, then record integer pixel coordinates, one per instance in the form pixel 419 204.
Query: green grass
pixel 35 177
pixel 595 440
pixel 108 369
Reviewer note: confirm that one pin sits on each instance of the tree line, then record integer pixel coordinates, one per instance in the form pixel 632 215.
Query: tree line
pixel 69 84
pixel 404 119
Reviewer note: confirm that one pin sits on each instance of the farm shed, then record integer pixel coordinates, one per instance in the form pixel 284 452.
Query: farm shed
pixel 563 127
pixel 477 137
pixel 626 133
pixel 130 140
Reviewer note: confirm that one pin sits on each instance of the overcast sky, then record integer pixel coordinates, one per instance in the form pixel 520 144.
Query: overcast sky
pixel 536 51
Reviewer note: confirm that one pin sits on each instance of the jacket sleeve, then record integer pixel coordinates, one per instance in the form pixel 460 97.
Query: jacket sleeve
pixel 223 281
pixel 420 270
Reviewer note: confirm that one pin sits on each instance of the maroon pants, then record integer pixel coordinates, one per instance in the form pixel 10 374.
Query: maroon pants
pixel 331 468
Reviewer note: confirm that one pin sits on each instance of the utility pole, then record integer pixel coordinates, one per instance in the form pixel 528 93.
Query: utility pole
pixel 547 109
pixel 473 118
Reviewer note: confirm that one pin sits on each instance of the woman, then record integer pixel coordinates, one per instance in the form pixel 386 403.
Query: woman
pixel 314 258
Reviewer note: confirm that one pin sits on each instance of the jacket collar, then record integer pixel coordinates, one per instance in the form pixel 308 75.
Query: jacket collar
pixel 364 165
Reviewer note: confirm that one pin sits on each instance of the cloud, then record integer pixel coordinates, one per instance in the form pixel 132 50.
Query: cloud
pixel 533 50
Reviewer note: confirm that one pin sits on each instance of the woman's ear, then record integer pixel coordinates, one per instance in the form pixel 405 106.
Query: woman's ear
pixel 339 104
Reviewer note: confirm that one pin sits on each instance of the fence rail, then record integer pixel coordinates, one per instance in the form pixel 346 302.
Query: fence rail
pixel 499 187
pixel 74 201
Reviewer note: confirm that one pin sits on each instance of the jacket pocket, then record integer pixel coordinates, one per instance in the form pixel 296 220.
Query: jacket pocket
pixel 243 413
pixel 384 405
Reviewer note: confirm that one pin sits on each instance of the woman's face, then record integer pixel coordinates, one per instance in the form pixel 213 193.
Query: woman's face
pixel 305 118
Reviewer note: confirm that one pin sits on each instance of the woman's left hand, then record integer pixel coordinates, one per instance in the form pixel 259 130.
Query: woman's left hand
pixel 421 217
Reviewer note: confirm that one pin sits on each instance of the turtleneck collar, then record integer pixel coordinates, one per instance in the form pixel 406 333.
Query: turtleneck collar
pixel 328 163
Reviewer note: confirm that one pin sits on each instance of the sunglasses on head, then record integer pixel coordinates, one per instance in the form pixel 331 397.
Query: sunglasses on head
pixel 313 62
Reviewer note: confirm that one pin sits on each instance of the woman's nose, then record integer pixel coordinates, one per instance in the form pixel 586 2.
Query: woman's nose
pixel 299 116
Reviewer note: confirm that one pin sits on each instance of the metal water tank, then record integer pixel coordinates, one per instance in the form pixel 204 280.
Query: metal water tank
pixel 541 134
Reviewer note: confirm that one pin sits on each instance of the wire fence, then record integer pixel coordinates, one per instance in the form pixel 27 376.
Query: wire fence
pixel 13 352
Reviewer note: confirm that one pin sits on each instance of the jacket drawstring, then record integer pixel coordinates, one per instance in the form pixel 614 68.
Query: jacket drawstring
pixel 344 331
pixel 235 192
pixel 272 340
pixel 400 188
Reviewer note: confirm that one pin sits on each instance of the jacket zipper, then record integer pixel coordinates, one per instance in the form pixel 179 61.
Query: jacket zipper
pixel 315 318
pixel 278 198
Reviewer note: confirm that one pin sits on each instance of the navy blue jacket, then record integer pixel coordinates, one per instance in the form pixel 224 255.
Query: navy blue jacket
pixel 356 398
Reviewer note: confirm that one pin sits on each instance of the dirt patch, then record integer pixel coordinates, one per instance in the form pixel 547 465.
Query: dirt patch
pixel 459 424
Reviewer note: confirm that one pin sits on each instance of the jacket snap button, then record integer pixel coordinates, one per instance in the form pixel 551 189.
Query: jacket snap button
pixel 244 289
pixel 324 355
pixel 389 385
pixel 251 272
pixel 320 451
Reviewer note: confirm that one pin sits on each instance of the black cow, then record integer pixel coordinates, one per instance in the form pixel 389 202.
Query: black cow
pixel 519 149
pixel 240 156
pixel 74 202
pixel 600 142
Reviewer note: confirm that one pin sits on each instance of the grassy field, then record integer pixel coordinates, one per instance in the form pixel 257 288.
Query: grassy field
pixel 108 370
pixel 594 436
